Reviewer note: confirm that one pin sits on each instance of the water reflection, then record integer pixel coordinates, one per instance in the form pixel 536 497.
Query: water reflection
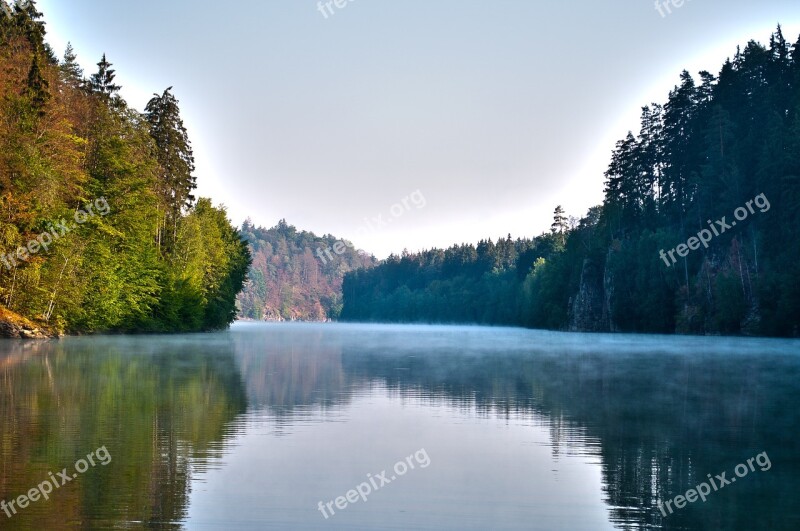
pixel 653 415
pixel 660 413
pixel 159 408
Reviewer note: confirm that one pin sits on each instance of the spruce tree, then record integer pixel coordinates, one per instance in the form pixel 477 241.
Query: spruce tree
pixel 37 87
pixel 679 148
pixel 71 71
pixel 102 82
pixel 174 154
pixel 29 19
pixel 559 221
pixel 559 227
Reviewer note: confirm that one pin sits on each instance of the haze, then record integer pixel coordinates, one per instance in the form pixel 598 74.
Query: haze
pixel 495 111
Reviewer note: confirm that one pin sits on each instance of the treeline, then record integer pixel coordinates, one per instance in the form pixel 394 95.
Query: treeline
pixel 148 256
pixel 716 144
pixel 292 277
pixel 462 284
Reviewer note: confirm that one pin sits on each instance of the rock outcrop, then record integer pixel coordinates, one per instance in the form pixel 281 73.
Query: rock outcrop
pixel 586 311
pixel 590 309
pixel 17 327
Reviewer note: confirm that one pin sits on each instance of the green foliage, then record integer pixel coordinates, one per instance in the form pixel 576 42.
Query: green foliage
pixel 37 88
pixel 462 284
pixel 102 82
pixel 71 71
pixel 65 149
pixel 731 302
pixel 176 160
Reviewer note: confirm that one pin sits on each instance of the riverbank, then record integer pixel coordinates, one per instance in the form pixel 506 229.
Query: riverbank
pixel 13 325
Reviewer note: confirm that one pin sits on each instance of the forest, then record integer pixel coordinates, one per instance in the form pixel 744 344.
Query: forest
pixel 291 278
pixel 719 141
pixel 142 254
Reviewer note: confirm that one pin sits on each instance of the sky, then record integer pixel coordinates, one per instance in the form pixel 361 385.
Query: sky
pixel 408 124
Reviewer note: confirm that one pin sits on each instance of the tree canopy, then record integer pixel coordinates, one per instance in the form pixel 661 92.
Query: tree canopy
pixel 136 251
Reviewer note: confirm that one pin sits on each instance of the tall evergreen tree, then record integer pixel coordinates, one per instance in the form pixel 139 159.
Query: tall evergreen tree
pixel 559 227
pixel 29 19
pixel 37 87
pixel 102 82
pixel 71 71
pixel 174 153
pixel 679 113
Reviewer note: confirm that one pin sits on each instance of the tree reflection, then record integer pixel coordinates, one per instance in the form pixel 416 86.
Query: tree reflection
pixel 160 407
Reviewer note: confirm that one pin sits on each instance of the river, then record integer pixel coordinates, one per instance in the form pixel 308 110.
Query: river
pixel 339 426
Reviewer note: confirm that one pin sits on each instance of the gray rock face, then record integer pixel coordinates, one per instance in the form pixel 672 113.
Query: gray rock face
pixel 586 311
pixel 608 287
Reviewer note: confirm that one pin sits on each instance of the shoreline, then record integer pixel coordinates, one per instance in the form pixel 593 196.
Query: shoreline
pixel 15 326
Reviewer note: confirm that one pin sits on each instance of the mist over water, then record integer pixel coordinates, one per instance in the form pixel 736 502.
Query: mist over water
pixel 252 428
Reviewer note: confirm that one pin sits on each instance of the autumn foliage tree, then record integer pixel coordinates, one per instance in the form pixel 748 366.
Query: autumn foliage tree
pixel 67 142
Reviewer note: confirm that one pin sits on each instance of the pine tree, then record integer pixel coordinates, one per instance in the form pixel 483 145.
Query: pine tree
pixel 108 274
pixel 794 79
pixel 560 226
pixel 622 184
pixel 679 114
pixel 29 18
pixel 102 82
pixel 719 181
pixel 71 71
pixel 649 161
pixel 37 87
pixel 174 153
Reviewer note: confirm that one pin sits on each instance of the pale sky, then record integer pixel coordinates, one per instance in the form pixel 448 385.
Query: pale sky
pixel 495 111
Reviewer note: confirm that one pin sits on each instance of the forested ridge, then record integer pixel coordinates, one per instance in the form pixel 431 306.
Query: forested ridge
pixel 99 228
pixel 717 143
pixel 291 278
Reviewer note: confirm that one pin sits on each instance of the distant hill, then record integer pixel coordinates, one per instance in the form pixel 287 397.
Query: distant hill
pixel 296 275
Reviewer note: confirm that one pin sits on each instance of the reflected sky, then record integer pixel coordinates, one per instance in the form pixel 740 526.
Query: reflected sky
pixel 252 428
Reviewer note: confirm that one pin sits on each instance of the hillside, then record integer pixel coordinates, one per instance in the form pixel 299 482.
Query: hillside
pixel 292 277
pixel 99 227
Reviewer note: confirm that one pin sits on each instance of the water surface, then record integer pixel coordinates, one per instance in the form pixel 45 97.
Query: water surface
pixel 253 428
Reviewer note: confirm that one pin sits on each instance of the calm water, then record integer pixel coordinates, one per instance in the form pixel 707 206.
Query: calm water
pixel 506 429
